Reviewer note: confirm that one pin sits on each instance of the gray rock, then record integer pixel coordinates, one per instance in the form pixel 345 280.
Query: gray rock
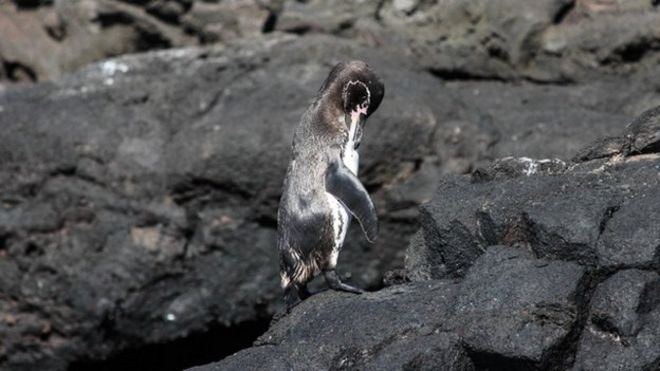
pixel 598 213
pixel 518 309
pixel 510 40
pixel 511 309
pixel 640 136
pixel 623 331
pixel 540 41
pixel 69 34
pixel 482 39
pixel 618 303
pixel 401 327
pixel 226 21
pixel 631 240
pixel 320 17
pixel 144 208
pixel 98 177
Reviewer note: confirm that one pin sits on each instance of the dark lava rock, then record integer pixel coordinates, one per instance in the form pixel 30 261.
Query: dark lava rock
pixel 640 136
pixel 512 310
pixel 45 42
pixel 600 213
pixel 623 331
pixel 518 311
pixel 138 197
pixel 342 331
pixel 552 299
pixel 556 41
pixel 551 41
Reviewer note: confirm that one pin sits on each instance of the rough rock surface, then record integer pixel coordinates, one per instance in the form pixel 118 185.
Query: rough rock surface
pixel 511 310
pixel 138 195
pixel 548 40
pixel 133 172
pixel 559 296
pixel 64 35
pixel 623 325
pixel 599 213
pixel 556 41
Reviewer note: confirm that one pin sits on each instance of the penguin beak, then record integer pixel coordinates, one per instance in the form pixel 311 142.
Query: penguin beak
pixel 356 119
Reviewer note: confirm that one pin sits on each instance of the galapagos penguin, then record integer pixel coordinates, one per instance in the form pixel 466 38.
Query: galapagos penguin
pixel 321 190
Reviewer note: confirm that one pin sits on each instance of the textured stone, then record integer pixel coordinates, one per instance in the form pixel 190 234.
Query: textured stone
pixel 623 331
pixel 517 309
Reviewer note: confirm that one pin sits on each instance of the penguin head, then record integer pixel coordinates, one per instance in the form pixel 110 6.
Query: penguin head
pixel 354 87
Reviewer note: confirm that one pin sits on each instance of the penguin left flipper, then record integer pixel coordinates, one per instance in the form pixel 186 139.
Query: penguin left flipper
pixel 346 187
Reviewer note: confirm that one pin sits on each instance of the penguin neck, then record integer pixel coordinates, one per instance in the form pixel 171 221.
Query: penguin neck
pixel 350 155
pixel 328 118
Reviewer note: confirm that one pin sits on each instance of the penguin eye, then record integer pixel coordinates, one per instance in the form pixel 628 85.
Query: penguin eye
pixel 356 96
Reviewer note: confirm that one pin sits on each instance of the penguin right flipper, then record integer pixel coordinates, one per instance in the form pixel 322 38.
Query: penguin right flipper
pixel 346 187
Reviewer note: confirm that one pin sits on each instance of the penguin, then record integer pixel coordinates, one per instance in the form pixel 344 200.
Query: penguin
pixel 321 192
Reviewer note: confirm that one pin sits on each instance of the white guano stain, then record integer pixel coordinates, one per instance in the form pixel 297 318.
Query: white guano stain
pixel 532 166
pixel 110 68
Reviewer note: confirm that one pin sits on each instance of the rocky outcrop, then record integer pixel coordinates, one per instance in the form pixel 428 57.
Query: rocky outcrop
pixel 64 35
pixel 598 213
pixel 138 195
pixel 547 41
pixel 509 303
pixel 524 265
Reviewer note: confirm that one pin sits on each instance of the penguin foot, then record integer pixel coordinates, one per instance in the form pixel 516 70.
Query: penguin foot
pixel 335 283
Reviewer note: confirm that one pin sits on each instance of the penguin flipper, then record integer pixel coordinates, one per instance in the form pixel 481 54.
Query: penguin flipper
pixel 346 187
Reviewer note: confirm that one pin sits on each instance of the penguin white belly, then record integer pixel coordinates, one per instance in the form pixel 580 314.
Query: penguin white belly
pixel 341 217
pixel 340 221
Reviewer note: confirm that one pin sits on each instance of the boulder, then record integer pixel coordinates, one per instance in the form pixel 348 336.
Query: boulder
pixel 511 310
pixel 623 330
pixel 547 41
pixel 139 195
pixel 65 35
pixel 507 273
pixel 589 212
pixel 517 311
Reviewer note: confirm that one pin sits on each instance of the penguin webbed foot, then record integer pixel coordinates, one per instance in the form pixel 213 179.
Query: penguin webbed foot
pixel 335 283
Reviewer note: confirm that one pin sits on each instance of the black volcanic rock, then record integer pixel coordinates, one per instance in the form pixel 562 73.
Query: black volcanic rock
pixel 551 41
pixel 341 331
pixel 558 296
pixel 512 310
pixel 599 213
pixel 623 331
pixel 517 309
pixel 138 197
